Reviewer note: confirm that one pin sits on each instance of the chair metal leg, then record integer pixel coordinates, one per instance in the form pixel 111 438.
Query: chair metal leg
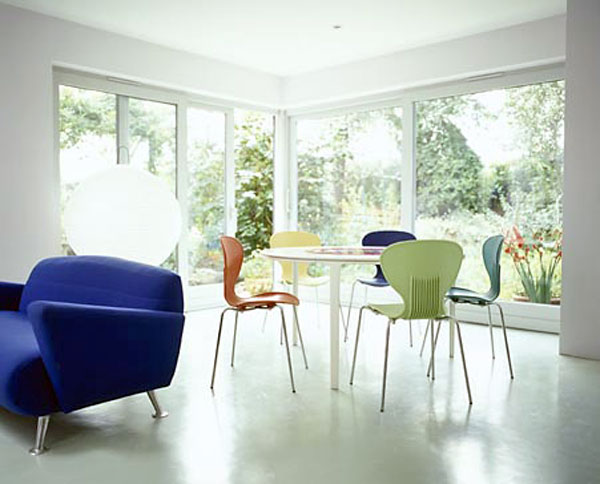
pixel 491 331
pixel 344 323
pixel 425 337
pixel 287 349
pixel 158 411
pixel 212 380
pixel 432 360
pixel 360 313
pixel 410 337
pixel 349 309
pixel 40 436
pixel 264 323
pixel 297 322
pixel 437 333
pixel 385 364
pixel 237 313
pixel 512 375
pixel 462 354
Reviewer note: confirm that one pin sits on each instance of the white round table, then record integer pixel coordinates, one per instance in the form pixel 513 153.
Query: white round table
pixel 334 257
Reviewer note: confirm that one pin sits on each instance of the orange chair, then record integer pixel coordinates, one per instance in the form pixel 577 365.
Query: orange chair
pixel 233 254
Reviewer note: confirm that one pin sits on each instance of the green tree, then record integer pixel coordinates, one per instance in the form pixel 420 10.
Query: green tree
pixel 81 115
pixel 449 172
pixel 537 113
pixel 254 180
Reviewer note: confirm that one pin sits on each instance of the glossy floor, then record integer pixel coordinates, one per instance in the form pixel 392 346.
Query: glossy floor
pixel 542 427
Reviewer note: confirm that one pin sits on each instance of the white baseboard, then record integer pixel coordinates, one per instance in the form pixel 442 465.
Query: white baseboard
pixel 534 317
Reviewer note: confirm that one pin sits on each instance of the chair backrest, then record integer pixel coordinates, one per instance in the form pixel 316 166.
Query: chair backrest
pixel 422 271
pixel 103 281
pixel 384 238
pixel 492 252
pixel 233 257
pixel 294 239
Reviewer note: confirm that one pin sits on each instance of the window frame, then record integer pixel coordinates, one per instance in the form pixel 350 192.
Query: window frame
pixel 524 315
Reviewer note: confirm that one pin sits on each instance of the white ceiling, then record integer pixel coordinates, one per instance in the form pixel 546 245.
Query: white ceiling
pixel 286 37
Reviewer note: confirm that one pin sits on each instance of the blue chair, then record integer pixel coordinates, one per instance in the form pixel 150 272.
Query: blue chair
pixel 492 254
pixel 379 238
pixel 85 330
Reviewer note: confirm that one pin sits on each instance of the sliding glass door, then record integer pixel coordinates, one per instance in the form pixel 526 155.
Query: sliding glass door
pixel 87 137
pixel 349 176
pixel 467 161
pixel 254 178
pixel 230 191
pixel 218 162
pixel 492 163
pixel 98 130
pixel 151 142
pixel 205 195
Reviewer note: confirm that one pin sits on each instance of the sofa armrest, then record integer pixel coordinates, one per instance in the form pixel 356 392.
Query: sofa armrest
pixel 95 354
pixel 10 296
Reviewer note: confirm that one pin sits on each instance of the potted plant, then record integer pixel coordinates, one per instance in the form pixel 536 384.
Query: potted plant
pixel 536 260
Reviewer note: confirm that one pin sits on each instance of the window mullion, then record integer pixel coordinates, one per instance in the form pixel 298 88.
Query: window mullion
pixel 292 191
pixel 230 212
pixel 182 191
pixel 409 163
pixel 122 130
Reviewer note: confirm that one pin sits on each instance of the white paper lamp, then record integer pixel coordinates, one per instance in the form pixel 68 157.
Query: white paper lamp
pixel 123 212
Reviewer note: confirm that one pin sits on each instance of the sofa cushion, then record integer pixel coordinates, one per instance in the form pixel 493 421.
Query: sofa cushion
pixel 103 281
pixel 25 387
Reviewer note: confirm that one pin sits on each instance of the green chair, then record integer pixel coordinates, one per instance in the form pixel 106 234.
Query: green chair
pixel 421 271
pixel 492 251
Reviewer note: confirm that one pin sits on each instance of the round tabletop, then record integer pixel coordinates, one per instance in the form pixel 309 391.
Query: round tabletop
pixel 330 254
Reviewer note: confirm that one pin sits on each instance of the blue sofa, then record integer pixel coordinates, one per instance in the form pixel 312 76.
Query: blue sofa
pixel 85 330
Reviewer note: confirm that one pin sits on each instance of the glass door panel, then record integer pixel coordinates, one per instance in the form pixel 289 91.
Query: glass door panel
pixel 206 194
pixel 153 138
pixel 486 163
pixel 253 136
pixel 349 176
pixel 152 145
pixel 88 139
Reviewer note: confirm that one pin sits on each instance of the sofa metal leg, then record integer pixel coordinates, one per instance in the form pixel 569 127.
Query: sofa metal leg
pixel 158 412
pixel 40 435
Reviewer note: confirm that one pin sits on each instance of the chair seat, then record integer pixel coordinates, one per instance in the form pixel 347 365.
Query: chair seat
pixel 392 311
pixel 310 281
pixel 373 281
pixel 268 299
pixel 466 296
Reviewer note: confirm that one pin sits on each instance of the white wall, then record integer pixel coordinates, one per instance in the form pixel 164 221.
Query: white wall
pixel 580 332
pixel 526 45
pixel 29 46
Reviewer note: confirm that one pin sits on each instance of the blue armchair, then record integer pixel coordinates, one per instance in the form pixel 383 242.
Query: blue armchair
pixel 85 330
